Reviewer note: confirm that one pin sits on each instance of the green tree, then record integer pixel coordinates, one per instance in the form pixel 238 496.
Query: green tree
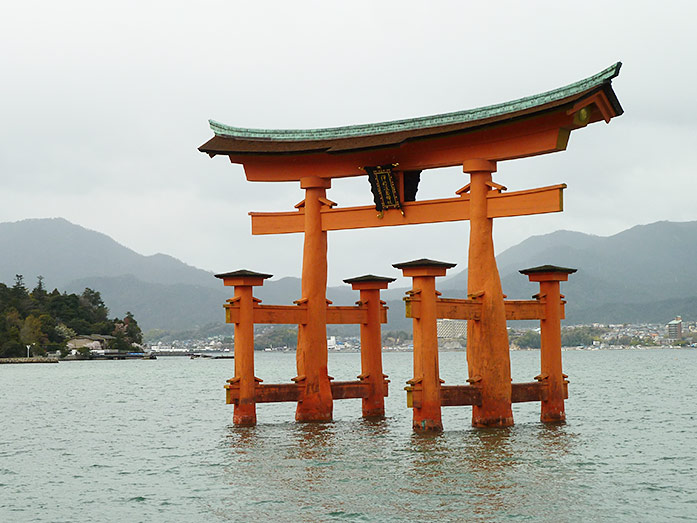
pixel 132 330
pixel 120 343
pixel 39 293
pixel 19 297
pixel 12 349
pixel 529 340
pixel 30 333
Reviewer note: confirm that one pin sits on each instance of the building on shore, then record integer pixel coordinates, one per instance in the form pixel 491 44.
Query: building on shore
pixel 674 328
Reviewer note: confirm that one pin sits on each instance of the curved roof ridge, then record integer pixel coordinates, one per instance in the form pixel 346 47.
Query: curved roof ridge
pixel 350 131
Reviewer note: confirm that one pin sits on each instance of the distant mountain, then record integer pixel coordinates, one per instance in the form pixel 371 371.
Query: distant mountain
pixel 646 273
pixel 161 291
pixel 62 252
pixel 171 307
pixel 634 275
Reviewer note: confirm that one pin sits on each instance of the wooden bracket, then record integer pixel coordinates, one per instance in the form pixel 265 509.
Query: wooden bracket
pixel 327 202
pixel 600 101
pixel 496 186
pixel 462 191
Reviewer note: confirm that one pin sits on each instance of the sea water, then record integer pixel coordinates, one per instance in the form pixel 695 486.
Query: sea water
pixel 153 441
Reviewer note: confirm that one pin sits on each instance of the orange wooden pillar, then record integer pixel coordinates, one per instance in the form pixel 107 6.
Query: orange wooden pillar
pixel 371 342
pixel 549 277
pixel 316 399
pixel 488 358
pixel 426 382
pixel 244 411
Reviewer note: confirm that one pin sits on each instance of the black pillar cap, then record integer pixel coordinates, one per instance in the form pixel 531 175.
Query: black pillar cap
pixel 423 262
pixel 547 268
pixel 243 273
pixel 369 277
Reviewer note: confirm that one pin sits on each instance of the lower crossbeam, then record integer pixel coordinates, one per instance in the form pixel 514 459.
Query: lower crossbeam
pixel 287 392
pixel 461 395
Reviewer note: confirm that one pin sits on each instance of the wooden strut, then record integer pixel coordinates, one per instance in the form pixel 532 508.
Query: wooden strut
pixel 551 387
pixel 245 390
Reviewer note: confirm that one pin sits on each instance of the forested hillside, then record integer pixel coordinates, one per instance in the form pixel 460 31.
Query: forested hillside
pixel 44 321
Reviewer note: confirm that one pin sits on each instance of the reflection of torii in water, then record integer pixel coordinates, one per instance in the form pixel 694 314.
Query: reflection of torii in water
pixel 393 154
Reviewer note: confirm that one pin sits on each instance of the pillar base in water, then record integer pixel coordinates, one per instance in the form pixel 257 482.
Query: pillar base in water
pixel 427 419
pixel 244 416
pixel 492 418
pixel 427 425
pixel 309 411
pixel 553 416
pixel 374 413
pixel 484 423
pixel 313 417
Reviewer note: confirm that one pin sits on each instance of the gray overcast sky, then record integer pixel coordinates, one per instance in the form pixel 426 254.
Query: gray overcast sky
pixel 103 105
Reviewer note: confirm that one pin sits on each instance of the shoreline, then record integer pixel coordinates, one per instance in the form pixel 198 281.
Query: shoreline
pixel 33 359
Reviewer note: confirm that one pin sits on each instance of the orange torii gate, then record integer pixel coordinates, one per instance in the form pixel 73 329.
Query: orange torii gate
pixel 392 155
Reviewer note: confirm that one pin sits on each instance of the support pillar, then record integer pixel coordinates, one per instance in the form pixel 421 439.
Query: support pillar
pixel 316 399
pixel 426 381
pixel 371 342
pixel 551 373
pixel 244 410
pixel 488 358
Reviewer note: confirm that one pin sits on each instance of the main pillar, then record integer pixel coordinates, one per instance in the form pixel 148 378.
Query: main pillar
pixel 426 381
pixel 488 358
pixel 549 277
pixel 316 399
pixel 244 410
pixel 371 342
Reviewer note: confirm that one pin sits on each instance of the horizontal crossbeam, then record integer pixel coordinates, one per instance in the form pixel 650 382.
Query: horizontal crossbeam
pixel 284 314
pixel 520 203
pixel 460 309
pixel 287 392
pixel 460 395
pixel 338 314
pixel 297 314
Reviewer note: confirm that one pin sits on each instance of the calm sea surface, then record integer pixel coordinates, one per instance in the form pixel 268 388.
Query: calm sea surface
pixel 153 441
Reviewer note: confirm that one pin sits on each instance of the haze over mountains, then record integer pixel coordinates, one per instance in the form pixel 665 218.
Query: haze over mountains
pixel 645 274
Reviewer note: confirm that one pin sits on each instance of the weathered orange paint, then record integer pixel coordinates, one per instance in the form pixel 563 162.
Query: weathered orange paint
pixel 518 203
pixel 311 357
pixel 353 315
pixel 460 395
pixel 297 314
pixel 459 309
pixel 373 406
pixel 426 416
pixel 550 346
pixel 287 392
pixel 488 358
pixel 244 410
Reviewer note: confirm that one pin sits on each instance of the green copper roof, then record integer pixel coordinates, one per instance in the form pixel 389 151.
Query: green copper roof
pixel 471 115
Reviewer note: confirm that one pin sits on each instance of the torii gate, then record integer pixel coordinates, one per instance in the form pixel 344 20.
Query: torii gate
pixel 393 154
